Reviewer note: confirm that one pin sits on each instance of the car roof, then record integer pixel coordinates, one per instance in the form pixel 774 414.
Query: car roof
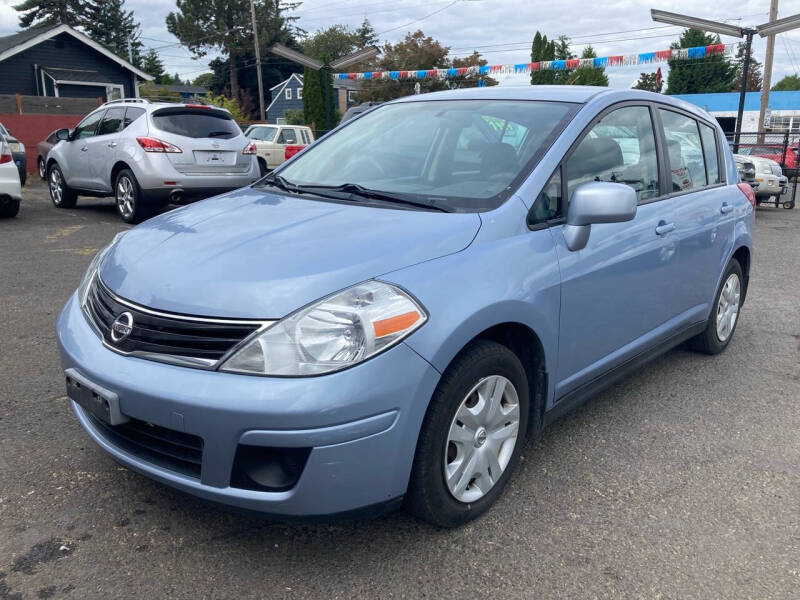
pixel 582 94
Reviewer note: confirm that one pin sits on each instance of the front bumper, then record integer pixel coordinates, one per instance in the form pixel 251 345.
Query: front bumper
pixel 361 424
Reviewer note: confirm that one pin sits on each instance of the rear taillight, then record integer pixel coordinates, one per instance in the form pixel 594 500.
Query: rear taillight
pixel 5 153
pixel 292 150
pixel 250 148
pixel 748 192
pixel 149 144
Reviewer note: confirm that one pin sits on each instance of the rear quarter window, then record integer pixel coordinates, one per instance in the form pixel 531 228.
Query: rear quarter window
pixel 196 123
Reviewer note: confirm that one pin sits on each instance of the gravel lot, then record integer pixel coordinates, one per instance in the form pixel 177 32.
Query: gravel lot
pixel 683 481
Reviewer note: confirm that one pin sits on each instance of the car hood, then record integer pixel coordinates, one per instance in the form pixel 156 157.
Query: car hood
pixel 256 254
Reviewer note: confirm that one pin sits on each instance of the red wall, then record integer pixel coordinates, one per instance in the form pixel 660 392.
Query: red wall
pixel 32 129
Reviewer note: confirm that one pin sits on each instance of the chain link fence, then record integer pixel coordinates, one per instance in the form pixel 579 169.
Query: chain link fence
pixel 783 147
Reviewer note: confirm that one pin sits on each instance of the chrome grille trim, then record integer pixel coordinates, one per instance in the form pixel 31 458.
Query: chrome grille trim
pixel 95 306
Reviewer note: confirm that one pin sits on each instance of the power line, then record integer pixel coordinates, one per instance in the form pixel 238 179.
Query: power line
pixel 420 19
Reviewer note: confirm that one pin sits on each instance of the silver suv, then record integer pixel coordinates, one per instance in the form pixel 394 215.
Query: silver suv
pixel 147 154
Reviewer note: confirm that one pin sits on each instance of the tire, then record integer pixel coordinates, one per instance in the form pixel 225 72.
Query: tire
pixel 262 166
pixel 60 193
pixel 9 207
pixel 42 169
pixel 429 496
pixel 788 205
pixel 710 341
pixel 131 204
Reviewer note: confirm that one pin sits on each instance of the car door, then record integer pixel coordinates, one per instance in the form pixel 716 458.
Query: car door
pixel 704 215
pixel 616 293
pixel 76 170
pixel 102 151
pixel 286 137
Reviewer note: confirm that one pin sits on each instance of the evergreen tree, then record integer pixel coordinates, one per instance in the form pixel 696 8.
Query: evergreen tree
pixel 44 13
pixel 709 74
pixel 563 52
pixel 754 77
pixel 788 83
pixel 588 75
pixel 649 82
pixel 314 83
pixel 151 64
pixel 206 25
pixel 366 34
pixel 542 50
pixel 107 22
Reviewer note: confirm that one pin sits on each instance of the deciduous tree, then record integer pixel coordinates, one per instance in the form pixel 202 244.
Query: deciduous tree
pixel 649 82
pixel 754 76
pixel 788 83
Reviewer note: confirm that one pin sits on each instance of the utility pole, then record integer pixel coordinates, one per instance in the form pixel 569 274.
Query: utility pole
pixel 767 80
pixel 258 61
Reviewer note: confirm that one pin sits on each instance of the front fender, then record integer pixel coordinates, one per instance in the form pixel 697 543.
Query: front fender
pixel 496 280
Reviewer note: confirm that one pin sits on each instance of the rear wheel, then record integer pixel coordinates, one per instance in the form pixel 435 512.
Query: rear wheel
pixel 262 166
pixel 788 205
pixel 42 169
pixel 725 314
pixel 472 436
pixel 60 193
pixel 9 207
pixel 131 206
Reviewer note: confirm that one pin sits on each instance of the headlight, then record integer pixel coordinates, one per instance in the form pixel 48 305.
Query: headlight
pixel 332 334
pixel 86 282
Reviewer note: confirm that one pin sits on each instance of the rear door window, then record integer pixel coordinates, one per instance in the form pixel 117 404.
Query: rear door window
pixel 112 121
pixel 196 123
pixel 287 136
pixel 684 151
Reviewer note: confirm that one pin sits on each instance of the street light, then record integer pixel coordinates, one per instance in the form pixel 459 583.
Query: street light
pixel 326 68
pixel 765 29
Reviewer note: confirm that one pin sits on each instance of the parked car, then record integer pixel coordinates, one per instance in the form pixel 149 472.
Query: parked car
pixel 10 186
pixel 18 154
pixel 276 144
pixel 389 315
pixel 746 170
pixel 354 111
pixel 43 151
pixel 146 155
pixel 770 178
pixel 787 157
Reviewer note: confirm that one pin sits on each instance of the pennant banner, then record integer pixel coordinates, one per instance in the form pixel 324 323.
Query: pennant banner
pixel 622 60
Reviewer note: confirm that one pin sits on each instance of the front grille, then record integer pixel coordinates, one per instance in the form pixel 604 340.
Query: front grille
pixel 166 448
pixel 158 335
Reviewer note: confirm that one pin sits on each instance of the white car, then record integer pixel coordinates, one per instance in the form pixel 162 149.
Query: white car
pixel 276 144
pixel 770 178
pixel 10 188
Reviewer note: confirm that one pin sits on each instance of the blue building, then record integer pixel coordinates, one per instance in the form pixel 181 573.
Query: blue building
pixel 784 109
pixel 288 95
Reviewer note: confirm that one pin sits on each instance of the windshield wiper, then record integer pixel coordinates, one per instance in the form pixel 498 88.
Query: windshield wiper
pixel 279 182
pixel 359 190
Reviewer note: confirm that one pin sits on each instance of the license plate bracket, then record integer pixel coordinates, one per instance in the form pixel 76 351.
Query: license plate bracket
pixel 97 400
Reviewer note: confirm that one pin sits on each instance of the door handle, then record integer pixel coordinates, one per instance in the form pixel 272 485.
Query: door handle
pixel 85 148
pixel 725 208
pixel 663 228
pixel 112 145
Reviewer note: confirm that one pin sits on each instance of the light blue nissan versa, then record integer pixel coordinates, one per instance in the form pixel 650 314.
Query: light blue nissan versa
pixel 391 313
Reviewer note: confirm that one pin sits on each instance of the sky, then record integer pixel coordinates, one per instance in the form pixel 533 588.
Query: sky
pixel 501 30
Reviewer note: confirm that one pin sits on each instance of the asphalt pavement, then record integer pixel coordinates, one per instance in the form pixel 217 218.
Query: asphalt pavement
pixel 682 481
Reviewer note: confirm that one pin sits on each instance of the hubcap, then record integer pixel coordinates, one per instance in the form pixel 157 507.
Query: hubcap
pixel 125 199
pixel 55 186
pixel 41 169
pixel 728 307
pixel 482 438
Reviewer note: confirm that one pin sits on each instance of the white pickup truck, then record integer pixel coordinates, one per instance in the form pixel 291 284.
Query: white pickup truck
pixel 278 143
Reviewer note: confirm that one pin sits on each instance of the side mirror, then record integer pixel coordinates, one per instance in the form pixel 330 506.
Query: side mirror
pixel 62 135
pixel 597 202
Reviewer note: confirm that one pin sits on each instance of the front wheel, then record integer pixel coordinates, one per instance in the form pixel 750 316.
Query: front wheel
pixel 42 169
pixel 788 205
pixel 131 206
pixel 472 436
pixel 725 314
pixel 60 193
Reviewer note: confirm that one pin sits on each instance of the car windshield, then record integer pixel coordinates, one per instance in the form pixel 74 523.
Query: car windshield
pixel 465 155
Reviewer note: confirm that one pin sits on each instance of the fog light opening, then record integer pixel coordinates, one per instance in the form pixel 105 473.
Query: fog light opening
pixel 262 468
